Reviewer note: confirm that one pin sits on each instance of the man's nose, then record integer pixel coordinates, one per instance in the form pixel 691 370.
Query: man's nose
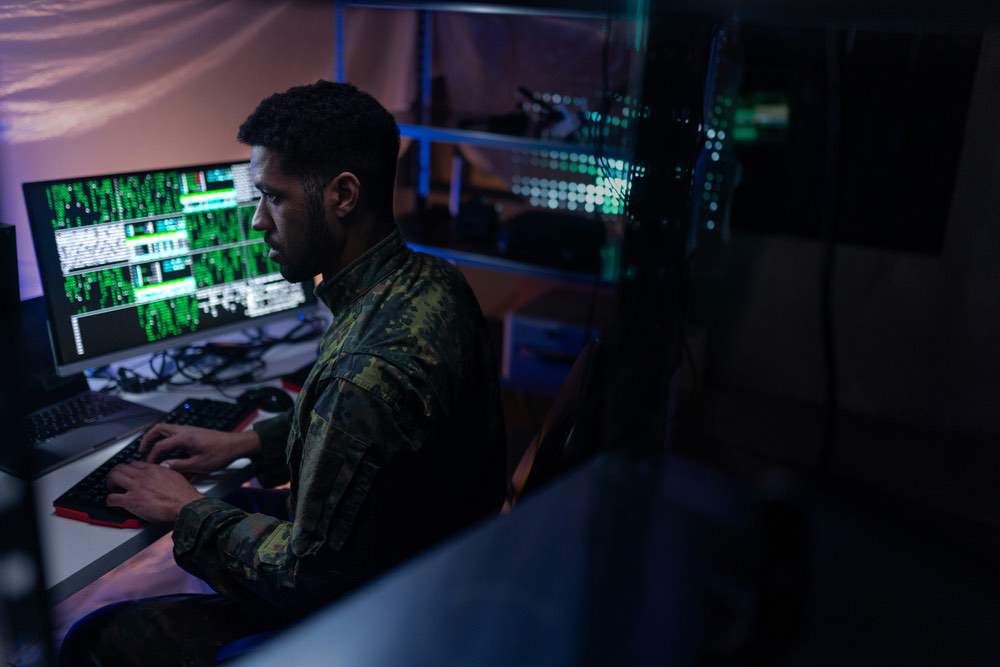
pixel 261 221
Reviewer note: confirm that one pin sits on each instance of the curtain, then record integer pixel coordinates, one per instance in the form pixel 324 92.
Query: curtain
pixel 102 86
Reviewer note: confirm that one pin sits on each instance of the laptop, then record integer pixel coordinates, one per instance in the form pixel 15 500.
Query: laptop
pixel 64 420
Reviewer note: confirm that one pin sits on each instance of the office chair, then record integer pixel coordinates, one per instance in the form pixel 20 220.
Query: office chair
pixel 552 450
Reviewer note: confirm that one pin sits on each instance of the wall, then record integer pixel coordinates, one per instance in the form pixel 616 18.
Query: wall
pixel 101 86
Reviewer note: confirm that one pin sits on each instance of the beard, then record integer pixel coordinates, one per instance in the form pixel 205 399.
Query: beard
pixel 318 244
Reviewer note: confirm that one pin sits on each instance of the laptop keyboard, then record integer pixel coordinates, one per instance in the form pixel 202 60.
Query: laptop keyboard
pixel 85 501
pixel 80 410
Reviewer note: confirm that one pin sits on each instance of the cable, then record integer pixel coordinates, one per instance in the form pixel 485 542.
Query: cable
pixel 606 96
pixel 601 159
pixel 830 220
pixel 208 363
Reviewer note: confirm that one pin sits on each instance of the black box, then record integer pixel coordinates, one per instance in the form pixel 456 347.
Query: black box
pixel 10 293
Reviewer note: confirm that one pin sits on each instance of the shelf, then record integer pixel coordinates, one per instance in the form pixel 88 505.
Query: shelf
pixel 486 261
pixel 579 9
pixel 449 135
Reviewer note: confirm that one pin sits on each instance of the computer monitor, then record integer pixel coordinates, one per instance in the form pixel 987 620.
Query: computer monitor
pixel 142 261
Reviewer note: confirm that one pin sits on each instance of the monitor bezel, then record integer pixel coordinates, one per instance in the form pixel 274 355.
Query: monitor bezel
pixel 65 368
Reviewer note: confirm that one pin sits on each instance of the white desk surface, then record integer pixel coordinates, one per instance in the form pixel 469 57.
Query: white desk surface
pixel 76 553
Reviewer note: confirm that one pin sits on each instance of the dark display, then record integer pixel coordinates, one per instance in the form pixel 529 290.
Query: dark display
pixel 901 101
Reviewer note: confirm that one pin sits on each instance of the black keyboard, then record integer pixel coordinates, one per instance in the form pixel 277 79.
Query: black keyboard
pixel 80 410
pixel 85 501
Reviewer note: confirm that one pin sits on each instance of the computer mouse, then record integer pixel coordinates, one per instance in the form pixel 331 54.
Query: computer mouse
pixel 268 399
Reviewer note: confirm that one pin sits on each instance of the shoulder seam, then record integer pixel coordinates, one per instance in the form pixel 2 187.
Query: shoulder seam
pixel 334 375
pixel 368 391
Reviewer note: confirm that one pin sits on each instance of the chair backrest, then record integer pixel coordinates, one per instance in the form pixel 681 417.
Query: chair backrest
pixel 545 458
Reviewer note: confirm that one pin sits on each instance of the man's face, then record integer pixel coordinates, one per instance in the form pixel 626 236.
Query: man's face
pixel 292 219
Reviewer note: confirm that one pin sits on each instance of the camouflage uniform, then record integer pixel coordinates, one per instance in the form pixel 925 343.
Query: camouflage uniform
pixel 395 441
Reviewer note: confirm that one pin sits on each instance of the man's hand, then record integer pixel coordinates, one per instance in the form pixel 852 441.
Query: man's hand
pixel 207 450
pixel 151 492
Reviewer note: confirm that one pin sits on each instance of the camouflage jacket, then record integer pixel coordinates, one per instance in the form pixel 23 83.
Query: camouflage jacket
pixel 395 441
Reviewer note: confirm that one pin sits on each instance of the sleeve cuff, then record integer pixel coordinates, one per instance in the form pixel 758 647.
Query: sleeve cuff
pixel 190 520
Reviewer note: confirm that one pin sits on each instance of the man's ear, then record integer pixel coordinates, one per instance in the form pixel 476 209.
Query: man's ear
pixel 341 194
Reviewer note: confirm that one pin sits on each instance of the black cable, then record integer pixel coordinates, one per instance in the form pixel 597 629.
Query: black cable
pixel 829 217
pixel 601 159
pixel 189 362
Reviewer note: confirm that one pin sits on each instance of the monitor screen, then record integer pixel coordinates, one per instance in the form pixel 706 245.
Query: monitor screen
pixel 138 262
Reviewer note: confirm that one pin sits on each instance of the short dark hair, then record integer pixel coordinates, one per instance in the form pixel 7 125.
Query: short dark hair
pixel 322 129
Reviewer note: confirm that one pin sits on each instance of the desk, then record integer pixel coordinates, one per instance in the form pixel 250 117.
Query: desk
pixel 77 553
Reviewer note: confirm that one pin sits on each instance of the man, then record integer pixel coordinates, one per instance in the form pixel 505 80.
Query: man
pixel 395 441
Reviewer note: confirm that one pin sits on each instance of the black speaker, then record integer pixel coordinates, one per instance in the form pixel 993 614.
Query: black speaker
pixel 10 294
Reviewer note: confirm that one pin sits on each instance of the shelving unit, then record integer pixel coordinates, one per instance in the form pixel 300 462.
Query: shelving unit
pixel 447 135
pixel 418 126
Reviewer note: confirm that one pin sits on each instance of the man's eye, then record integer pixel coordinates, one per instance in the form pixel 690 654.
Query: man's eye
pixel 270 197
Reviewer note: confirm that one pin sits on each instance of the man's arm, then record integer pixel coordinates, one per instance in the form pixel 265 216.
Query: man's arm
pixel 352 432
pixel 205 450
